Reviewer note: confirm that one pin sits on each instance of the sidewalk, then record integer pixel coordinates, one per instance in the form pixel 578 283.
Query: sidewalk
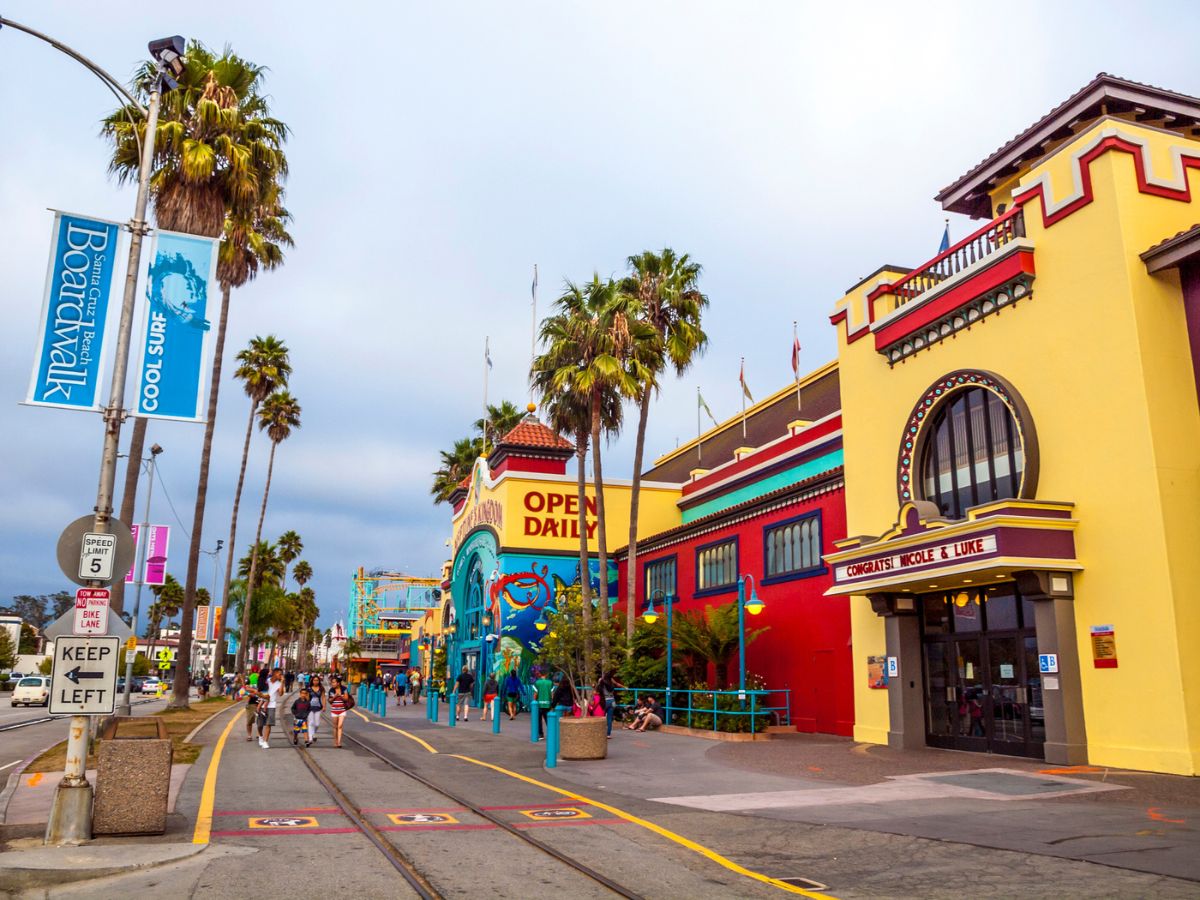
pixel 1133 820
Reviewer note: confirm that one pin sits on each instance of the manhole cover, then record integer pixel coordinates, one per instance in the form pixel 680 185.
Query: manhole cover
pixel 1010 784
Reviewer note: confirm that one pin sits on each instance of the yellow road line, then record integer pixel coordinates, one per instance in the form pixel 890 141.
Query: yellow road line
pixel 360 715
pixel 657 829
pixel 208 795
pixel 411 737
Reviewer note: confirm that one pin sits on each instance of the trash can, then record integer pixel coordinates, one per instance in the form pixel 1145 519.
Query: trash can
pixel 133 778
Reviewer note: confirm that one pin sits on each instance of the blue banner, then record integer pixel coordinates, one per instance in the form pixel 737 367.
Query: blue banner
pixel 79 282
pixel 180 282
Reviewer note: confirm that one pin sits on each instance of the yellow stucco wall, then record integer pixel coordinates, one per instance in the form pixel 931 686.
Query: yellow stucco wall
pixel 529 503
pixel 1099 353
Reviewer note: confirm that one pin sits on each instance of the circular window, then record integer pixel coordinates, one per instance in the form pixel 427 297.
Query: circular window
pixel 969 441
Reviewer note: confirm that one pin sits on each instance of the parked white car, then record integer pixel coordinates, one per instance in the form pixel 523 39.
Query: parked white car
pixel 32 691
pixel 150 685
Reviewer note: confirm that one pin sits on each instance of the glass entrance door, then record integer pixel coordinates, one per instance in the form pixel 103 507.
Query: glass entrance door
pixel 980 670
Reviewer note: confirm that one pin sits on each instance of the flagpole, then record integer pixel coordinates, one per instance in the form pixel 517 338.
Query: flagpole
pixel 796 362
pixel 743 380
pixel 699 446
pixel 486 360
pixel 533 333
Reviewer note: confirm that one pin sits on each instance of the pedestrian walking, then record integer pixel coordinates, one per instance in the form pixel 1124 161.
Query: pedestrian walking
pixel 563 697
pixel 512 693
pixel 288 680
pixel 490 689
pixel 339 703
pixel 316 704
pixel 415 684
pixel 463 686
pixel 543 688
pixel 247 693
pixel 273 696
pixel 300 710
pixel 606 689
pixel 401 688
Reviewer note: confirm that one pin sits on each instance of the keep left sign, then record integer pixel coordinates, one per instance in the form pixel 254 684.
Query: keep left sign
pixel 91 611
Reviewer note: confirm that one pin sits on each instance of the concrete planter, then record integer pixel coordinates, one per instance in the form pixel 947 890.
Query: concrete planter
pixel 583 738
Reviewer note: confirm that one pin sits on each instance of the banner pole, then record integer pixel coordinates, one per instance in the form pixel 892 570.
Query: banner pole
pixel 70 820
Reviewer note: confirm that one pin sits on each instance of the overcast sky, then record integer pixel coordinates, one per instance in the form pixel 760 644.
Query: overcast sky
pixel 440 150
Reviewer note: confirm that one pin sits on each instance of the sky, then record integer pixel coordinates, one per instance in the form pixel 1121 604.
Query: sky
pixel 439 151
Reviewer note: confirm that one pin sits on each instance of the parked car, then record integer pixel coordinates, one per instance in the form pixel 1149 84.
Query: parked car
pixel 32 691
pixel 150 685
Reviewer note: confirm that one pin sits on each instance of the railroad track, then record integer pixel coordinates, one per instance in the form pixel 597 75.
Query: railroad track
pixel 407 867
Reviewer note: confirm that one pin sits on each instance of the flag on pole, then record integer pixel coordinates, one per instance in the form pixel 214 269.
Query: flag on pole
pixel 945 245
pixel 487 353
pixel 704 406
pixel 796 361
pixel 742 379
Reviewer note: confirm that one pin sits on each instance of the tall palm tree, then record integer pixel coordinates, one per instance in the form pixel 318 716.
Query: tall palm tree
pixel 290 545
pixel 263 367
pixel 218 169
pixel 670 303
pixel 303 573
pixel 306 607
pixel 269 568
pixel 279 416
pixel 456 465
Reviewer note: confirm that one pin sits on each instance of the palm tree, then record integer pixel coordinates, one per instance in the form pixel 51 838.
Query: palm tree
pixel 303 573
pixel 290 547
pixel 669 302
pixel 263 367
pixel 218 169
pixel 168 599
pixel 269 570
pixel 713 636
pixel 279 416
pixel 591 339
pixel 500 421
pixel 306 606
pixel 456 465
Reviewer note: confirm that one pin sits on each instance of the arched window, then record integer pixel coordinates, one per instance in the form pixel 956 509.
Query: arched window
pixel 971 452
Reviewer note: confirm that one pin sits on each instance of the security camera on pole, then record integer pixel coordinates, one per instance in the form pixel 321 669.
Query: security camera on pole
pixel 90 662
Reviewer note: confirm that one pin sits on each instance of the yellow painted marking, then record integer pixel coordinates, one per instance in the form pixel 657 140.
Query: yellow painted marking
pixel 554 813
pixel 657 829
pixel 862 749
pixel 284 822
pixel 422 819
pixel 360 715
pixel 209 793
pixel 411 737
pixel 35 779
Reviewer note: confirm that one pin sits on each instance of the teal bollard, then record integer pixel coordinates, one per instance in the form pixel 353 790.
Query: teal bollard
pixel 453 712
pixel 383 699
pixel 496 715
pixel 433 698
pixel 552 738
pixel 361 699
pixel 535 722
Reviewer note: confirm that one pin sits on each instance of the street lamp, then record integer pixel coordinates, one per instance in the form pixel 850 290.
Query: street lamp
pixel 753 606
pixel 212 648
pixel 651 616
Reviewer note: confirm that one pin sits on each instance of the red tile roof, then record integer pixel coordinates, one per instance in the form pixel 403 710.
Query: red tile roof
pixel 532 433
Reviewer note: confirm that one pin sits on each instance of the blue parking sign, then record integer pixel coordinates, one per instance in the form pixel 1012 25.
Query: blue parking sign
pixel 1048 663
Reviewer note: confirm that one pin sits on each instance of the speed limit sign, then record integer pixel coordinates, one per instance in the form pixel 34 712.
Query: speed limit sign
pixel 97 552
pixel 89 556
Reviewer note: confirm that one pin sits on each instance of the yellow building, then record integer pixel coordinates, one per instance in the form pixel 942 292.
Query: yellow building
pixel 515 545
pixel 1022 451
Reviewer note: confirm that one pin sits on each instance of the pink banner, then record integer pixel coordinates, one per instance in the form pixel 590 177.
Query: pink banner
pixel 129 575
pixel 158 537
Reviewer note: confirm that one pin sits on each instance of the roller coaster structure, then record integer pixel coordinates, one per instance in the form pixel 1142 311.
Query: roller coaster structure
pixel 379 600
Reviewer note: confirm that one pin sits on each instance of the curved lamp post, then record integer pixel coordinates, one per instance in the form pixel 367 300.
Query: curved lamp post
pixel 70 813
pixel 751 605
pixel 650 616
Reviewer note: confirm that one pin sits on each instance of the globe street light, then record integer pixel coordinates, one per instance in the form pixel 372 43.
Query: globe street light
pixel 650 616
pixel 753 606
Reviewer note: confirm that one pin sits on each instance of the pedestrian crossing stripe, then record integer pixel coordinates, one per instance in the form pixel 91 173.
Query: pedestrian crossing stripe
pixel 422 819
pixel 283 822
pixel 556 813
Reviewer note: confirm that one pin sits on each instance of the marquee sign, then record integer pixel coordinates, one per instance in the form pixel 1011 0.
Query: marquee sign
pixel 916 558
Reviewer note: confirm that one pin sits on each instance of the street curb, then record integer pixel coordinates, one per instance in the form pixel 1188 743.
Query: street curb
pixel 195 731
pixel 14 779
pixel 49 866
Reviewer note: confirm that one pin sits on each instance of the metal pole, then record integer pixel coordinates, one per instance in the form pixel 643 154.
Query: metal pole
pixel 70 819
pixel 139 575
pixel 667 600
pixel 741 602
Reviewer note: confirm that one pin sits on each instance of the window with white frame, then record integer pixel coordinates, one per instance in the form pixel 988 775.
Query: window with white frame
pixel 716 566
pixel 793 547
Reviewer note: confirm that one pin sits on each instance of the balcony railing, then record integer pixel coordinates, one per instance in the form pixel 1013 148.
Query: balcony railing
pixel 978 246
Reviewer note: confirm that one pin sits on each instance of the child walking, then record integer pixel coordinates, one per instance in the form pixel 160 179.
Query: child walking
pixel 300 710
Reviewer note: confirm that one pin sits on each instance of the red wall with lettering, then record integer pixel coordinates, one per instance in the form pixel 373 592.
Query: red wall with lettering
pixel 807 648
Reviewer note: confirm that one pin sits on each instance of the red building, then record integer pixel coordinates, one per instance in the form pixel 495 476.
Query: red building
pixel 765 499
